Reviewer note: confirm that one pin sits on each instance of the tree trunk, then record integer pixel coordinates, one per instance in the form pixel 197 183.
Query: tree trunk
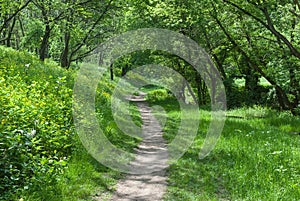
pixel 124 69
pixel 21 26
pixel 64 61
pixel 294 87
pixel 198 86
pixel 218 61
pixel 9 33
pixel 4 31
pixel 111 72
pixel 44 44
pixel 269 26
pixel 192 93
pixel 12 15
pixel 45 41
pixel 251 85
pixel 281 94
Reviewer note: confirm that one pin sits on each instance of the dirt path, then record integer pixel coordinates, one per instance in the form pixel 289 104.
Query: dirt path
pixel 152 154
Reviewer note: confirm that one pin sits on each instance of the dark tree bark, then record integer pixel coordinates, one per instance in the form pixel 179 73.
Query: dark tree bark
pixel 10 32
pixel 45 42
pixel 111 69
pixel 64 61
pixel 218 61
pixel 192 93
pixel 46 36
pixel 200 85
pixel 124 69
pixel 89 32
pixel 4 31
pixel 294 82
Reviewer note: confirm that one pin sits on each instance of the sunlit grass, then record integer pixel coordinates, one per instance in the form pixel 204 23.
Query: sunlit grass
pixel 256 158
pixel 54 166
pixel 85 178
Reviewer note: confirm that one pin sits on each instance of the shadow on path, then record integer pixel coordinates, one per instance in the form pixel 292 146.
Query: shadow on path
pixel 151 154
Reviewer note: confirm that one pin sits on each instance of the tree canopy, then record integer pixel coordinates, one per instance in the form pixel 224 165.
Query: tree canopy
pixel 256 41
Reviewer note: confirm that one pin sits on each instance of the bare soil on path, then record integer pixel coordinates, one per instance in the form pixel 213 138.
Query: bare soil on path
pixel 152 154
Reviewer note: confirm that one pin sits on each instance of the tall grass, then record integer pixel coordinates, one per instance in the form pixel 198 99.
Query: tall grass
pixel 256 158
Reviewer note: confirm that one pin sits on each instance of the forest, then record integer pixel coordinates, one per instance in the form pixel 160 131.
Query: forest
pixel 253 44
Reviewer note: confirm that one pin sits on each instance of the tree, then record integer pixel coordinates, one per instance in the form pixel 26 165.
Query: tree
pixel 262 13
pixel 9 11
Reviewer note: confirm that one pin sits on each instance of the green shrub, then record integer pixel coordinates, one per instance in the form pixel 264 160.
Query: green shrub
pixel 37 136
pixel 158 95
pixel 36 132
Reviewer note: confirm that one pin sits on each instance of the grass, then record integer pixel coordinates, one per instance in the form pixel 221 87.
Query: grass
pixel 85 178
pixel 52 164
pixel 256 158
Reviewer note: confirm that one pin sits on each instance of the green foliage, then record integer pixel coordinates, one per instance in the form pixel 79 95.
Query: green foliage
pixel 158 95
pixel 256 158
pixel 36 132
pixel 237 35
pixel 34 33
pixel 237 96
pixel 40 152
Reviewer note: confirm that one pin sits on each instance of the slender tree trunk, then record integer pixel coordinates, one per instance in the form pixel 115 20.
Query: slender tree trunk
pixel 294 82
pixel 9 33
pixel 12 15
pixel 268 25
pixel 45 41
pixel 111 72
pixel 218 61
pixel 46 36
pixel 64 61
pixel 124 69
pixel 251 85
pixel 192 93
pixel 21 26
pixel 198 86
pixel 182 91
pixel 294 87
pixel 4 31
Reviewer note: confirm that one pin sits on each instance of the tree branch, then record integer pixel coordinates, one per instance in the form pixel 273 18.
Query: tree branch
pixel 91 29
pixel 14 15
pixel 269 25
pixel 255 66
pixel 87 53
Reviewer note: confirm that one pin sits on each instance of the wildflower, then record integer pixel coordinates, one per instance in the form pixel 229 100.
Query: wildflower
pixel 31 134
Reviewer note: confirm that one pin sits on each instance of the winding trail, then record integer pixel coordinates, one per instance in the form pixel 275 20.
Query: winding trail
pixel 152 154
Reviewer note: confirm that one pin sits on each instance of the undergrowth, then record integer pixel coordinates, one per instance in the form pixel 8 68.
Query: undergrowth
pixel 41 155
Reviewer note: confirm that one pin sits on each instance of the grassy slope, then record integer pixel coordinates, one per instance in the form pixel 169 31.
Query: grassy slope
pixel 255 158
pixel 36 95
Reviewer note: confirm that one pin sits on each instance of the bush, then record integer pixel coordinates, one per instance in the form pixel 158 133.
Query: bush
pixel 238 96
pixel 36 132
pixel 158 95
pixel 37 136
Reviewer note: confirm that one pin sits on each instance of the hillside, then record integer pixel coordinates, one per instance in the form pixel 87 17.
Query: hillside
pixel 40 150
